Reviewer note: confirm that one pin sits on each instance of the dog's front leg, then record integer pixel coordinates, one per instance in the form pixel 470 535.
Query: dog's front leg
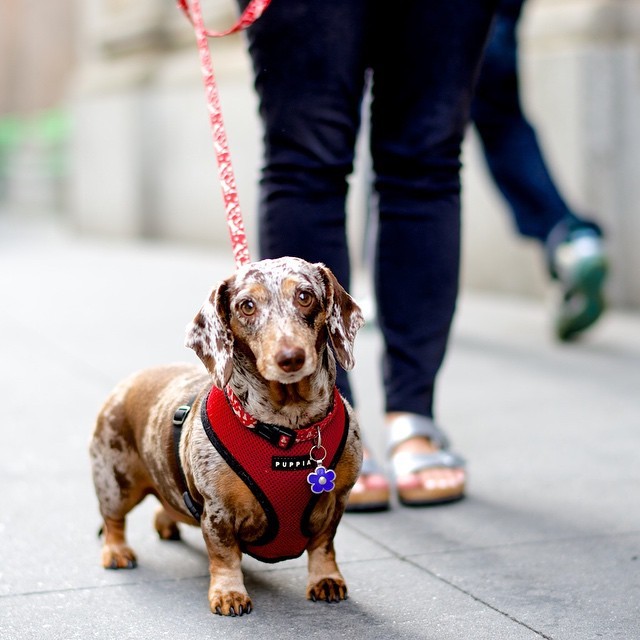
pixel 227 593
pixel 325 580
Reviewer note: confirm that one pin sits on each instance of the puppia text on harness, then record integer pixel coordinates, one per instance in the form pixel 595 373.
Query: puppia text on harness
pixel 283 475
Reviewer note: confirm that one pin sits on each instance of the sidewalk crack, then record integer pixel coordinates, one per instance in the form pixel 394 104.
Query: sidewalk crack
pixel 453 585
pixel 458 588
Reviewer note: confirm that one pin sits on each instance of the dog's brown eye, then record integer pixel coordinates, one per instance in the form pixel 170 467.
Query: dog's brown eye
pixel 248 307
pixel 304 298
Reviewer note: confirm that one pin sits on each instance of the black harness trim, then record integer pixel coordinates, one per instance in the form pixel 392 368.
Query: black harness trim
pixel 273 434
pixel 272 519
pixel 179 417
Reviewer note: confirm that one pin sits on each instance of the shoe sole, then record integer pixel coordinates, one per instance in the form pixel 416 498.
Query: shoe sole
pixel 374 507
pixel 583 300
pixel 432 502
pixel 423 497
pixel 369 501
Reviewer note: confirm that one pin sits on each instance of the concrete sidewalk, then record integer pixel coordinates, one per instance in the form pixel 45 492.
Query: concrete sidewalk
pixel 546 545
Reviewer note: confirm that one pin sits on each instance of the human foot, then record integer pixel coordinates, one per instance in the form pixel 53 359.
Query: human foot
pixel 371 490
pixel 425 471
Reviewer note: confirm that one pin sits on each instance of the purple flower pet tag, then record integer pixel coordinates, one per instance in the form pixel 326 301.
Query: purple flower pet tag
pixel 322 479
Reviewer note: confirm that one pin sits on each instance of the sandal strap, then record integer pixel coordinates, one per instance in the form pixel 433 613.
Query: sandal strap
pixel 405 463
pixel 409 425
pixel 370 467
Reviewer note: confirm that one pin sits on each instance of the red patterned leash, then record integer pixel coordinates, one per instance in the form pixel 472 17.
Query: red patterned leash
pixel 193 11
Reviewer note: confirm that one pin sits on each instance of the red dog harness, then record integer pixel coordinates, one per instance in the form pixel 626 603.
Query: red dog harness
pixel 275 462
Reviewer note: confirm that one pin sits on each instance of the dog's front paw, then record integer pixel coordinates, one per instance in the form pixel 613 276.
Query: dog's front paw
pixel 327 589
pixel 118 556
pixel 229 603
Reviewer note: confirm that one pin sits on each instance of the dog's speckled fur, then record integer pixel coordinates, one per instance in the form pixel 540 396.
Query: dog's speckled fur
pixel 264 331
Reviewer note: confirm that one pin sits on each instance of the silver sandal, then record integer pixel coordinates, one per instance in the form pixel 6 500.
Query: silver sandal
pixel 369 500
pixel 410 425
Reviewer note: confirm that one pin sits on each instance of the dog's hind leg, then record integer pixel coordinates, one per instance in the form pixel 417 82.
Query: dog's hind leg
pixel 116 553
pixel 120 483
pixel 165 525
pixel 115 503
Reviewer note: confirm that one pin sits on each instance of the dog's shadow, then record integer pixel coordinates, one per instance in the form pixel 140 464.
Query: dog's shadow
pixel 175 578
pixel 258 576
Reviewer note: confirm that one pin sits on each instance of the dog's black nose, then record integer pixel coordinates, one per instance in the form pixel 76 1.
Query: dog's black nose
pixel 290 359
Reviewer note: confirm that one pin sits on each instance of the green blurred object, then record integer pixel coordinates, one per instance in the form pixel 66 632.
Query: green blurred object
pixel 47 131
pixel 10 131
pixel 51 129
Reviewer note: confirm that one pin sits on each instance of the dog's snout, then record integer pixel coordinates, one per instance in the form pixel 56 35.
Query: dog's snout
pixel 290 359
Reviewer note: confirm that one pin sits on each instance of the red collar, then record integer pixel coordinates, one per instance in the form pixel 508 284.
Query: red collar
pixel 282 436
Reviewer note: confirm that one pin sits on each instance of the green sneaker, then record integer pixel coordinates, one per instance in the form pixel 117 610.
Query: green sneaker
pixel 581 267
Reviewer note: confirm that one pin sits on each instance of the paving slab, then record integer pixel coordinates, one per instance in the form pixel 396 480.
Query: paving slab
pixel 428 609
pixel 546 544
pixel 585 587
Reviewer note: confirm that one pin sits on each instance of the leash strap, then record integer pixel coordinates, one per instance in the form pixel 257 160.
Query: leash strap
pixel 253 11
pixel 235 224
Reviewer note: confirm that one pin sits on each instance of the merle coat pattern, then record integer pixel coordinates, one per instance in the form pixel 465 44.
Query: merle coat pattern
pixel 265 332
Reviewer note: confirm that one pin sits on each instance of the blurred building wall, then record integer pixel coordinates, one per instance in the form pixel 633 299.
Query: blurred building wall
pixel 37 50
pixel 140 160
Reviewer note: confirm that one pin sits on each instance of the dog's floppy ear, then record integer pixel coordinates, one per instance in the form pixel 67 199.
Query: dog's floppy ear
pixel 210 336
pixel 344 318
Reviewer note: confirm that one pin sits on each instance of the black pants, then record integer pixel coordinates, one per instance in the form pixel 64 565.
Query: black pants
pixel 311 59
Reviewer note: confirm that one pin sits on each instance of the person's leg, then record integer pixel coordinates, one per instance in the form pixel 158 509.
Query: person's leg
pixel 518 167
pixel 309 64
pixel 422 86
pixel 423 75
pixel 509 141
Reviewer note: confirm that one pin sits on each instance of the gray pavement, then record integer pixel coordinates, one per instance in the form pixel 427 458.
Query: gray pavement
pixel 546 545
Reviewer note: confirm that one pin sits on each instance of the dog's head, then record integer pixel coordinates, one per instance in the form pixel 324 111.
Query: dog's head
pixel 277 313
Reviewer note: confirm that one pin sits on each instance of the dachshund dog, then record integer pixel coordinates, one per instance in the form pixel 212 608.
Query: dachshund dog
pixel 261 451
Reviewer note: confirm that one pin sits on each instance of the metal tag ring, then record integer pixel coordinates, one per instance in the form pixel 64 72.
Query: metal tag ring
pixel 319 459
